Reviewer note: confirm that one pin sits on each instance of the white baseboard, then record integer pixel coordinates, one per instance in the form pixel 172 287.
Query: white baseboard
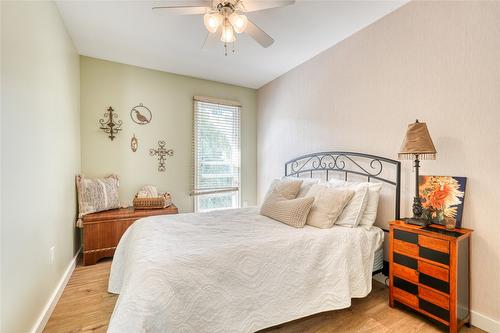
pixel 477 319
pixel 485 323
pixel 54 298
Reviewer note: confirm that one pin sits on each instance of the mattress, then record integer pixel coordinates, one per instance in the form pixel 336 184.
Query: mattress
pixel 234 271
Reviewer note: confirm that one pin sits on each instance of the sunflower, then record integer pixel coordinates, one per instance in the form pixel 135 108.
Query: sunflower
pixel 440 194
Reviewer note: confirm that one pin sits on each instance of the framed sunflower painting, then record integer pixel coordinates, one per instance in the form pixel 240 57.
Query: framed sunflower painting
pixel 442 198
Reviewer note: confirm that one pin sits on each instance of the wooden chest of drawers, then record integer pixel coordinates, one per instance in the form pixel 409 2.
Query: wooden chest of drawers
pixel 429 271
pixel 102 231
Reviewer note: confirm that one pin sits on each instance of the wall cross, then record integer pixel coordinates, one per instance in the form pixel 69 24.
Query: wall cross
pixel 162 154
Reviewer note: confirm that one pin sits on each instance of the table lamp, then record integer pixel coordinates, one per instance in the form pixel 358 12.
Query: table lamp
pixel 417 146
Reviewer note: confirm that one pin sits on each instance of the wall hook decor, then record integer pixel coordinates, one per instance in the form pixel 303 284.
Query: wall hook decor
pixel 141 115
pixel 162 153
pixel 110 126
pixel 134 143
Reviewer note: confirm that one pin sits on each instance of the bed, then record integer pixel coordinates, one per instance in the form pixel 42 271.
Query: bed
pixel 238 271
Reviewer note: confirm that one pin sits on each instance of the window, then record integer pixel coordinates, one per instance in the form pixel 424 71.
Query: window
pixel 216 147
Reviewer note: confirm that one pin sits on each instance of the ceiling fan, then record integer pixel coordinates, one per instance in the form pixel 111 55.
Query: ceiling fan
pixel 225 18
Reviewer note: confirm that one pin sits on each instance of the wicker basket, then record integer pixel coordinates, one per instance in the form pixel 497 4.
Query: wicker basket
pixel 153 203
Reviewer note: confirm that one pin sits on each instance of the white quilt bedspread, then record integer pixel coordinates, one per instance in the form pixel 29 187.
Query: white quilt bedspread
pixel 234 271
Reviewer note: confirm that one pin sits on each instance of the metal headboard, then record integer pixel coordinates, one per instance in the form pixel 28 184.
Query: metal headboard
pixel 360 164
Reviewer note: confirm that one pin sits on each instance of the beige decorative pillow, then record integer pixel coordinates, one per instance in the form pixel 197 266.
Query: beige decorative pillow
pixel 287 188
pixel 292 212
pixel 328 205
pixel 306 185
pixel 95 195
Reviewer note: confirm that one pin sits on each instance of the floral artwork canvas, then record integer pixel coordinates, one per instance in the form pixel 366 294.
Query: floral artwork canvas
pixel 442 198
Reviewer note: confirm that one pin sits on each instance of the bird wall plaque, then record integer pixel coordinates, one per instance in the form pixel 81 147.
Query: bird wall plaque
pixel 162 153
pixel 141 115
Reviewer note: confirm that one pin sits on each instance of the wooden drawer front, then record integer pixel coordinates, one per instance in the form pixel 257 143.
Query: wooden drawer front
pixel 406 236
pixel 440 257
pixel 405 272
pixel 409 287
pixel 436 244
pixel 405 247
pixel 434 283
pixel 104 235
pixel 434 309
pixel 405 297
pixel 405 261
pixel 434 271
pixel 434 297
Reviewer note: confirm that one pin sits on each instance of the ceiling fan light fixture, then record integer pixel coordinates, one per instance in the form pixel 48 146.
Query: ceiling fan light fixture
pixel 239 22
pixel 227 33
pixel 212 21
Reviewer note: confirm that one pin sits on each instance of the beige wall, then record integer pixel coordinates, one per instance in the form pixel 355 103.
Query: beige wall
pixel 436 61
pixel 40 144
pixel 170 98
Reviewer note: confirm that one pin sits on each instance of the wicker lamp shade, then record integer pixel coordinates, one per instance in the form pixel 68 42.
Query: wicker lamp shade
pixel 417 142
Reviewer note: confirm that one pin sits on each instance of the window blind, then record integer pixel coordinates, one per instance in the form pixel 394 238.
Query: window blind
pixel 216 145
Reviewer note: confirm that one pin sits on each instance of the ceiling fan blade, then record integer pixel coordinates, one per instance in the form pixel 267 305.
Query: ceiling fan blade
pixel 212 39
pixel 258 34
pixel 255 5
pixel 188 7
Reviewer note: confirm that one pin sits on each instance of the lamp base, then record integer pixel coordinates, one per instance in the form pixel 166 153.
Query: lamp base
pixel 417 221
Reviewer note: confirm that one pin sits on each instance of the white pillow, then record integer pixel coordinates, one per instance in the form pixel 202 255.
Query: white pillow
pixel 307 183
pixel 370 213
pixel 353 211
pixel 328 205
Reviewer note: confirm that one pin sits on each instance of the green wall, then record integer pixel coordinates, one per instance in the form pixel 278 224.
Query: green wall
pixel 40 144
pixel 170 98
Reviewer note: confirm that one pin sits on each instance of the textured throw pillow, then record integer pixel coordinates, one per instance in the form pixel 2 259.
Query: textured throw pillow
pixel 292 212
pixel 328 205
pixel 370 213
pixel 95 195
pixel 287 188
pixel 307 183
pixel 353 211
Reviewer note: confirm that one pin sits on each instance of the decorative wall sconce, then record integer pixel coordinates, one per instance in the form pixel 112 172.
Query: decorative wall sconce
pixel 110 126
pixel 162 153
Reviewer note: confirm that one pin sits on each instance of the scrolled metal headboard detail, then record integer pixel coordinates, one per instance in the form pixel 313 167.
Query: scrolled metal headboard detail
pixel 360 164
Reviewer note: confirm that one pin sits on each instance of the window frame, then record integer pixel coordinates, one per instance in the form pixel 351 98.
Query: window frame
pixel 233 190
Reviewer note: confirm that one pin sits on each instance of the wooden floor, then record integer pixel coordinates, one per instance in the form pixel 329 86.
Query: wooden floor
pixel 86 306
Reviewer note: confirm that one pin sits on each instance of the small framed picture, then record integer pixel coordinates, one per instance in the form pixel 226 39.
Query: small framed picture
pixel 442 199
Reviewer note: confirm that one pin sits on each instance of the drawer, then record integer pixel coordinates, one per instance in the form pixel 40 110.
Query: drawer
pixel 403 260
pixel 434 309
pixel 409 287
pixel 434 283
pixel 405 297
pixel 433 255
pixel 434 271
pixel 405 272
pixel 406 236
pixel 436 244
pixel 434 297
pixel 405 247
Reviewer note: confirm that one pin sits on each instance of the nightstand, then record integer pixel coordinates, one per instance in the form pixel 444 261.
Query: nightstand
pixel 429 271
pixel 102 231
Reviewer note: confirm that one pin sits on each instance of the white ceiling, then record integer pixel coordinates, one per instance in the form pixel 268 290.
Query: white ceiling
pixel 129 32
